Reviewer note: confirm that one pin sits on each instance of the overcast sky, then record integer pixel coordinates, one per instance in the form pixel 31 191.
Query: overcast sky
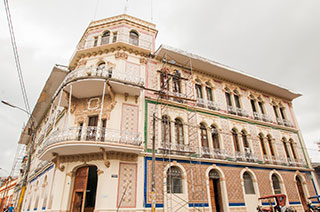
pixel 278 41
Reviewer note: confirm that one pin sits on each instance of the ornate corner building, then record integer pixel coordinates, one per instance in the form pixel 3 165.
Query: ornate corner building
pixel 222 138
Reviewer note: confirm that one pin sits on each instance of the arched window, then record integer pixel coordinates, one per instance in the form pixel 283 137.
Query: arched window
pixel 204 137
pixel 276 184
pixel 215 137
pixel 134 38
pixel 166 130
pixel 174 180
pixel 248 184
pixel 263 148
pixel 285 148
pixel 176 86
pixel 179 131
pixel 228 98
pixel 100 68
pixel 270 145
pixel 105 38
pixel 209 92
pixel 293 149
pixel 245 139
pixel 236 99
pixel 199 90
pixel 235 140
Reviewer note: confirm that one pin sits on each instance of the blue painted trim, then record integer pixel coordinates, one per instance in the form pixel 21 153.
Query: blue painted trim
pixel 39 175
pixel 148 205
pixel 222 164
pixel 35 209
pixel 295 203
pixel 198 205
pixel 237 204
pixel 43 208
pixel 267 203
pixel 145 183
pixel 314 186
pixel 28 209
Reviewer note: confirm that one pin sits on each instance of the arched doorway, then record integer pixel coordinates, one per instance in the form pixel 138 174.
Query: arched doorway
pixel 215 191
pixel 84 189
pixel 250 191
pixel 301 193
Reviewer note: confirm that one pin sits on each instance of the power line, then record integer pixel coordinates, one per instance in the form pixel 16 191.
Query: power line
pixel 16 57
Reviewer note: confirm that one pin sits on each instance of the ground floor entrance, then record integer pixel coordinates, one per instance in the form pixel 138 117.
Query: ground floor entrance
pixel 84 190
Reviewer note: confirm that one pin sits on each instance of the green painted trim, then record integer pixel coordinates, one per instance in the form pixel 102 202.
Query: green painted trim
pixel 221 116
pixel 224 117
pixel 304 153
pixel 145 124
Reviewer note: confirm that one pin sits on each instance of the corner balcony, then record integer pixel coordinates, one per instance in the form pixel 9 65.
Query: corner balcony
pixel 84 140
pixel 88 81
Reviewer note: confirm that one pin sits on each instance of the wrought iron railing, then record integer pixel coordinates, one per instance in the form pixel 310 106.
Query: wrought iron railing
pixel 116 74
pixel 97 134
pixel 176 148
pixel 207 104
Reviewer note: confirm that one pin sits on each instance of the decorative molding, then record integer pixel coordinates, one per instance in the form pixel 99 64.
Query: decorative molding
pixel 105 158
pixel 98 156
pixel 143 60
pixel 121 55
pixel 57 162
pixel 99 172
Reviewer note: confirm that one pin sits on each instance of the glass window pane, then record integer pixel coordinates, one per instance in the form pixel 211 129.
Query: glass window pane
pixel 248 184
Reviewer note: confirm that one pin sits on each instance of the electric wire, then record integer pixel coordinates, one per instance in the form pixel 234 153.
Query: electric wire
pixel 16 57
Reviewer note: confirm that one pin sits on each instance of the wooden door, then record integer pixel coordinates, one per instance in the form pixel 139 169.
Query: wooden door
pixel 92 127
pixel 79 189
pixel 301 194
pixel 212 196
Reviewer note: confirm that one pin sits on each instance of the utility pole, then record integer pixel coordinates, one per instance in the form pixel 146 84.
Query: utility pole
pixel 30 151
pixel 153 188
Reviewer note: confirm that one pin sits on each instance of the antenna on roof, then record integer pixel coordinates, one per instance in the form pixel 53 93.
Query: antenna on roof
pixel 95 11
pixel 126 7
pixel 151 11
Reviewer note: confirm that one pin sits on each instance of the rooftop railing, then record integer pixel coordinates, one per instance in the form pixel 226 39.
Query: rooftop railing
pixel 97 134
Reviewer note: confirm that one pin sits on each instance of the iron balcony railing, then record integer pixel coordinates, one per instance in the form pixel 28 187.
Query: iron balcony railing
pixel 175 147
pixel 207 104
pixel 97 134
pixel 119 37
pixel 216 153
pixel 111 73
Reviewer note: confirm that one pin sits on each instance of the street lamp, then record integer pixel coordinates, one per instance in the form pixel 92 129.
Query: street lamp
pixel 30 132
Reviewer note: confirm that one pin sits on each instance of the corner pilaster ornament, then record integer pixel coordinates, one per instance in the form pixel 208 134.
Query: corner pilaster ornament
pixel 121 55
pixel 56 161
pixel 105 158
pixel 113 101
pixel 143 60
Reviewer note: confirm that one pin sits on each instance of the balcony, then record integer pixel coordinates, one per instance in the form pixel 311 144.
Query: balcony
pixel 215 153
pixel 287 123
pixel 179 149
pixel 90 77
pixel 179 96
pixel 207 104
pixel 83 140
pixel 237 111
